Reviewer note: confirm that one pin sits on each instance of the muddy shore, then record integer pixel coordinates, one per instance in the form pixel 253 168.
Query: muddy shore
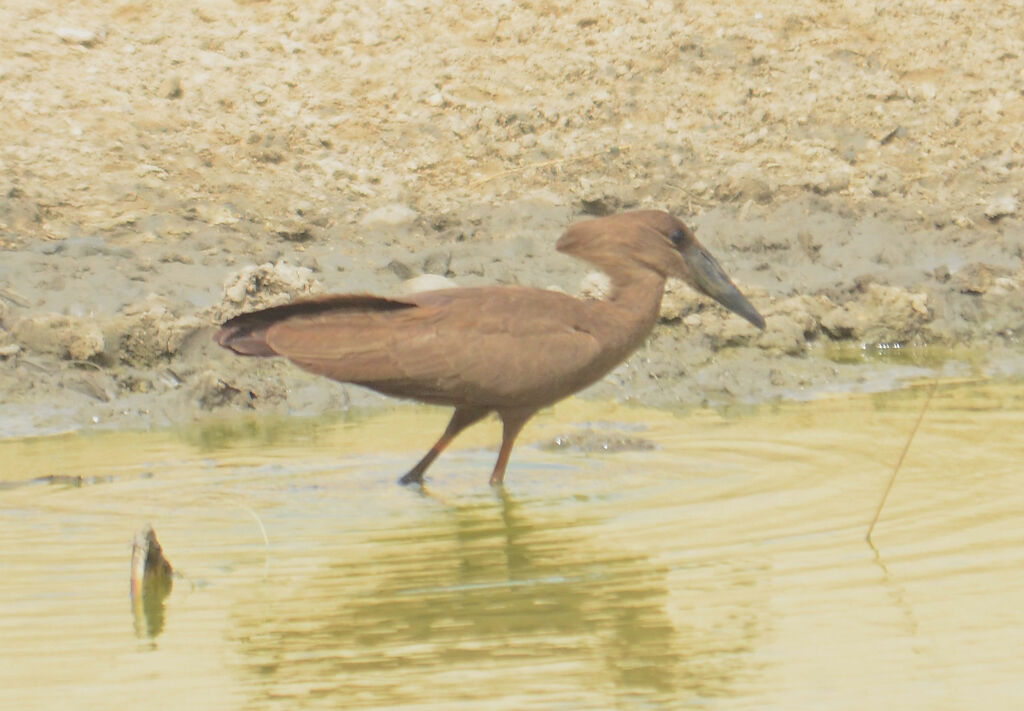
pixel 165 168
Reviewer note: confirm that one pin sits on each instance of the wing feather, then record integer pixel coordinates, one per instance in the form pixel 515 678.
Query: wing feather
pixel 491 346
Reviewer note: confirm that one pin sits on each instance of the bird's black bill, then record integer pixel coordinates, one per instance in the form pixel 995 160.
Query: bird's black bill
pixel 710 278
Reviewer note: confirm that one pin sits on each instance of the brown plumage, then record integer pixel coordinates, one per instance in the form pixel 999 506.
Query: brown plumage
pixel 505 349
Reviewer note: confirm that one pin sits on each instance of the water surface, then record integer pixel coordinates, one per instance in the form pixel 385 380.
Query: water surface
pixel 724 567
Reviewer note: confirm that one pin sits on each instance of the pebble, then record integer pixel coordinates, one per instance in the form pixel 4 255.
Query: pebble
pixel 393 215
pixel 425 282
pixel 831 182
pixel 170 88
pixel 77 35
pixel 290 230
pixel 437 262
pixel 594 286
pixel 401 269
pixel 1002 206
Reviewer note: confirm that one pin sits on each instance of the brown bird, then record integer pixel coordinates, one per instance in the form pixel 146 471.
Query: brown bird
pixel 505 349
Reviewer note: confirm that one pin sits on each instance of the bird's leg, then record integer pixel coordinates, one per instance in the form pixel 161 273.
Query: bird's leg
pixel 512 423
pixel 461 419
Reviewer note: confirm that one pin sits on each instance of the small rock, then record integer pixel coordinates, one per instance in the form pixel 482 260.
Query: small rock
pixel 1005 285
pixel 963 221
pixel 595 286
pixel 978 278
pixel 401 270
pixel 170 88
pixel 290 230
pixel 216 213
pixel 86 341
pixel 77 35
pixel 760 54
pixel 699 187
pixel 177 258
pixel 887 135
pixel 992 109
pixel 924 92
pixel 393 215
pixel 843 321
pixel 211 391
pixel 438 262
pixel 1002 206
pixel 830 182
pixel 258 287
pixel 599 206
pixel 600 196
pixel 425 282
pixel 544 197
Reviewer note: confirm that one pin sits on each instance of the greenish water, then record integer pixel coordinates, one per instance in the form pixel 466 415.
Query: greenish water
pixel 724 567
pixel 895 353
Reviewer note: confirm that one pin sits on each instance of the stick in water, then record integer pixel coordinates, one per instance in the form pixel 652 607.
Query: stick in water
pixel 903 454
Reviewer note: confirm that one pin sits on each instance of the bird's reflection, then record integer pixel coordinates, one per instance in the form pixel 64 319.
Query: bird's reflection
pixel 498 581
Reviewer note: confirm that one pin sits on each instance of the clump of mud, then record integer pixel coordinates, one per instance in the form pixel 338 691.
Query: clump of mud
pixel 262 286
pixel 67 337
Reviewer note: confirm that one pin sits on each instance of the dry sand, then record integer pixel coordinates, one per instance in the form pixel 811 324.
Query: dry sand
pixel 857 167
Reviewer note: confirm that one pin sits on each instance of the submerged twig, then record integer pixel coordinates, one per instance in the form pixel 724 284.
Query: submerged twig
pixel 266 540
pixel 151 579
pixel 259 522
pixel 899 462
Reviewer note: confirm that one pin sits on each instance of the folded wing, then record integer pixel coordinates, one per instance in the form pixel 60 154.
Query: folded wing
pixel 487 346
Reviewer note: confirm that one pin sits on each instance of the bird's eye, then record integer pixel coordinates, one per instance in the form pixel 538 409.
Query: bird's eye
pixel 677 237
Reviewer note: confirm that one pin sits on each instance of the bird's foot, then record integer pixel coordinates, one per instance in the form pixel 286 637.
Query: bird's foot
pixel 413 477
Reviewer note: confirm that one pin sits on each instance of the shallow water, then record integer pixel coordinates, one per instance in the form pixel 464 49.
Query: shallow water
pixel 726 567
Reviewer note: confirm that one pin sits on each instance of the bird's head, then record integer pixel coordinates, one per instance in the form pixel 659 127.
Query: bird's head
pixel 654 241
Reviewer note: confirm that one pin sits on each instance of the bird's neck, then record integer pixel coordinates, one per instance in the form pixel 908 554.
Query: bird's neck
pixel 639 291
pixel 632 305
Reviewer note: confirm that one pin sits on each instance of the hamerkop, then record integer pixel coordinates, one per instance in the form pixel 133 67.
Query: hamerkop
pixel 505 349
